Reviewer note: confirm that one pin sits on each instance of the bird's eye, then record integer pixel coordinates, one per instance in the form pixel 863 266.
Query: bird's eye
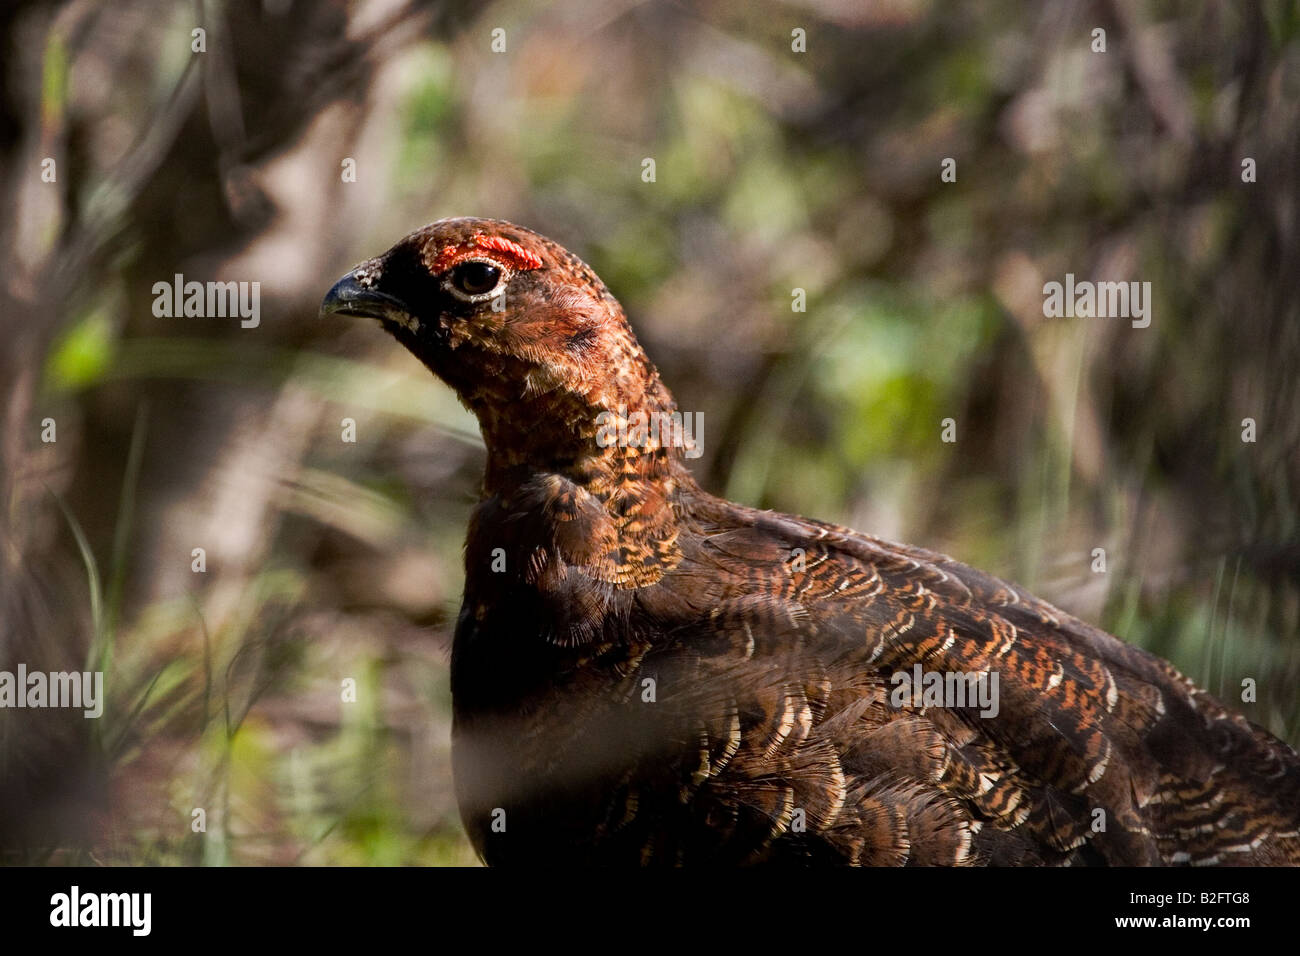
pixel 475 277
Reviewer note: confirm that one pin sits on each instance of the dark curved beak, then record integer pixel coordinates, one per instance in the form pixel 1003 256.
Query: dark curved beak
pixel 349 297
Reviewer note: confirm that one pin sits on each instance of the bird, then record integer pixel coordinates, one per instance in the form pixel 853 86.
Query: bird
pixel 645 674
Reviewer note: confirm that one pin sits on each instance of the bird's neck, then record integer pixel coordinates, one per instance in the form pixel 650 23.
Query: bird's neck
pixel 614 459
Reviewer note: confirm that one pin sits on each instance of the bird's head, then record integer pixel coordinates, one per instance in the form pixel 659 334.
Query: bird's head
pixel 522 329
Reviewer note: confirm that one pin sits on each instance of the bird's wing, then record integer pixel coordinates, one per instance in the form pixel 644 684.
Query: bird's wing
pixel 779 641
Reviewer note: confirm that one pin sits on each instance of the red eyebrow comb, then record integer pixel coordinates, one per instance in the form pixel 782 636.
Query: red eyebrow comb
pixel 514 255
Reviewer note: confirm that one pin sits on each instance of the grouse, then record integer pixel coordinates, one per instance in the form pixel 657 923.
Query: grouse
pixel 643 673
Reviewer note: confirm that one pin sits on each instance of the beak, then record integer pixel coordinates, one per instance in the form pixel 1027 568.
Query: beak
pixel 350 297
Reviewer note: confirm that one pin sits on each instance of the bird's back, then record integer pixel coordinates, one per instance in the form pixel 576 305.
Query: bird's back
pixel 786 692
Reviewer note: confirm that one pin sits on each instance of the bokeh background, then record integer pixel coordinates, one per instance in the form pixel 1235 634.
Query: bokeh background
pixel 775 170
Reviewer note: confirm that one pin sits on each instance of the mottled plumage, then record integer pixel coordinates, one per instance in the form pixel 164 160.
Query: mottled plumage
pixel 645 673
